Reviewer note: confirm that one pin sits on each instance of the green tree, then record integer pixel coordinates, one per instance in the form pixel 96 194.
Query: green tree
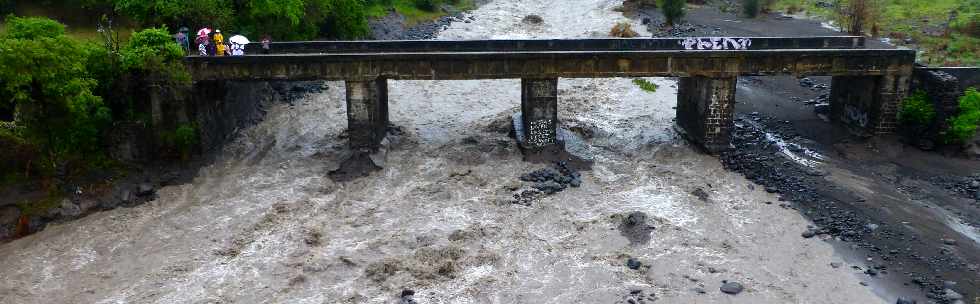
pixel 963 126
pixel 45 78
pixel 750 8
pixel 673 10
pixel 917 114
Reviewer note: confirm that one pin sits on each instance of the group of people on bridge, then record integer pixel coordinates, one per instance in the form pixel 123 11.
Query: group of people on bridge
pixel 214 44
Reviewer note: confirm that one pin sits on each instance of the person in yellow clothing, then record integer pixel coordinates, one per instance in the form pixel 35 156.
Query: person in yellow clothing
pixel 219 43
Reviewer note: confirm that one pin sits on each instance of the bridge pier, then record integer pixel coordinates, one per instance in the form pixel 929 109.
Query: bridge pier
pixel 704 111
pixel 539 113
pixel 367 113
pixel 868 104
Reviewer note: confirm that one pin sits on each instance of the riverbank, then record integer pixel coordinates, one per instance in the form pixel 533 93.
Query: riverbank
pixel 907 218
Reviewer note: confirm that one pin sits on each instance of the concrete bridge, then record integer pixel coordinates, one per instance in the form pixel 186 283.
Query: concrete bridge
pixel 867 85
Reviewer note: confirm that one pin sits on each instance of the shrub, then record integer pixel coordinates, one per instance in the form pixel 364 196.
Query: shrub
pixel 750 8
pixel 623 30
pixel 968 19
pixel 646 85
pixel 347 20
pixel 963 126
pixel 185 138
pixel 428 5
pixel 917 113
pixel 673 10
pixel 44 74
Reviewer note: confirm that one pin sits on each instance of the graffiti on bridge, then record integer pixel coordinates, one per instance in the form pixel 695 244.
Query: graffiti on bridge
pixel 715 43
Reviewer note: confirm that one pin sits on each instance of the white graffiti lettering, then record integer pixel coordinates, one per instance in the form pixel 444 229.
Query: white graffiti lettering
pixel 715 43
pixel 856 115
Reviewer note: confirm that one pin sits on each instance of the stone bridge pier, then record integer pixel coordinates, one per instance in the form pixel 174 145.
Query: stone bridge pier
pixel 367 113
pixel 868 105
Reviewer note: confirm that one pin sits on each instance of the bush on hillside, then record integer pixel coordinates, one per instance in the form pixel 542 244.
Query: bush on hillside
pixel 428 5
pixel 673 10
pixel 44 75
pixel 967 20
pixel 917 113
pixel 963 126
pixel 750 8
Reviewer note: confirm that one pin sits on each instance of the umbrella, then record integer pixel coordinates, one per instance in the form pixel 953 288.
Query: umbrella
pixel 203 32
pixel 239 39
pixel 183 29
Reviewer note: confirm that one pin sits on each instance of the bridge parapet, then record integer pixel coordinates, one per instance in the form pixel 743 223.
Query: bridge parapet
pixel 542 45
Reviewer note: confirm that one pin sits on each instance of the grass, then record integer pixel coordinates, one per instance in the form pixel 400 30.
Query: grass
pixel 646 85
pixel 413 15
pixel 922 21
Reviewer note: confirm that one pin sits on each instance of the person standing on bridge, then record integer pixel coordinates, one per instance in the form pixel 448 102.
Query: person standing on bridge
pixel 202 45
pixel 266 41
pixel 219 43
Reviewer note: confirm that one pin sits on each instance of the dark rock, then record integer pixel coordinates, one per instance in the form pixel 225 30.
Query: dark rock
pixel 905 301
pixel 700 194
pixel 836 264
pixel 809 234
pixel 69 209
pixel 635 228
pixel 407 297
pixel 821 108
pixel 9 215
pixel 125 196
pixel 732 288
pixel 952 295
pixel 633 264
pixel 145 189
pixel 533 19
pixel 950 242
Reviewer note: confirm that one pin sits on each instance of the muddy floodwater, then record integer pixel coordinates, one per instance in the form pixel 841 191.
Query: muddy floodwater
pixel 265 224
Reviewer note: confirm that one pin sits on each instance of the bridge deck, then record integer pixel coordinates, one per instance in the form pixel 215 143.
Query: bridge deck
pixel 527 45
pixel 554 64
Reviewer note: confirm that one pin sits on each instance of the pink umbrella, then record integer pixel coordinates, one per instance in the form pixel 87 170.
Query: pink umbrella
pixel 203 32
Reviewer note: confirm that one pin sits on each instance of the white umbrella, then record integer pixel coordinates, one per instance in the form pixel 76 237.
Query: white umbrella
pixel 239 39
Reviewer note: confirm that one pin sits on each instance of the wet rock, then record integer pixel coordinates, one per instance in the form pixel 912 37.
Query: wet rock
pixel 9 215
pixel 952 295
pixel 635 228
pixel 732 288
pixel 125 196
pixel 836 264
pixel 905 301
pixel 821 108
pixel 69 209
pixel 407 297
pixel 533 19
pixel 145 189
pixel 950 242
pixel 949 284
pixel 700 194
pixel 633 264
pixel 809 234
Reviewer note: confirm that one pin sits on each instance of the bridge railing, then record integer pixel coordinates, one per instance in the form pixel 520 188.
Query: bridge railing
pixel 611 44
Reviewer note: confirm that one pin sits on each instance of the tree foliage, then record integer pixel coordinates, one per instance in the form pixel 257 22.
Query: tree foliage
pixel 673 10
pixel 44 75
pixel 963 126
pixel 154 54
pixel 917 115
